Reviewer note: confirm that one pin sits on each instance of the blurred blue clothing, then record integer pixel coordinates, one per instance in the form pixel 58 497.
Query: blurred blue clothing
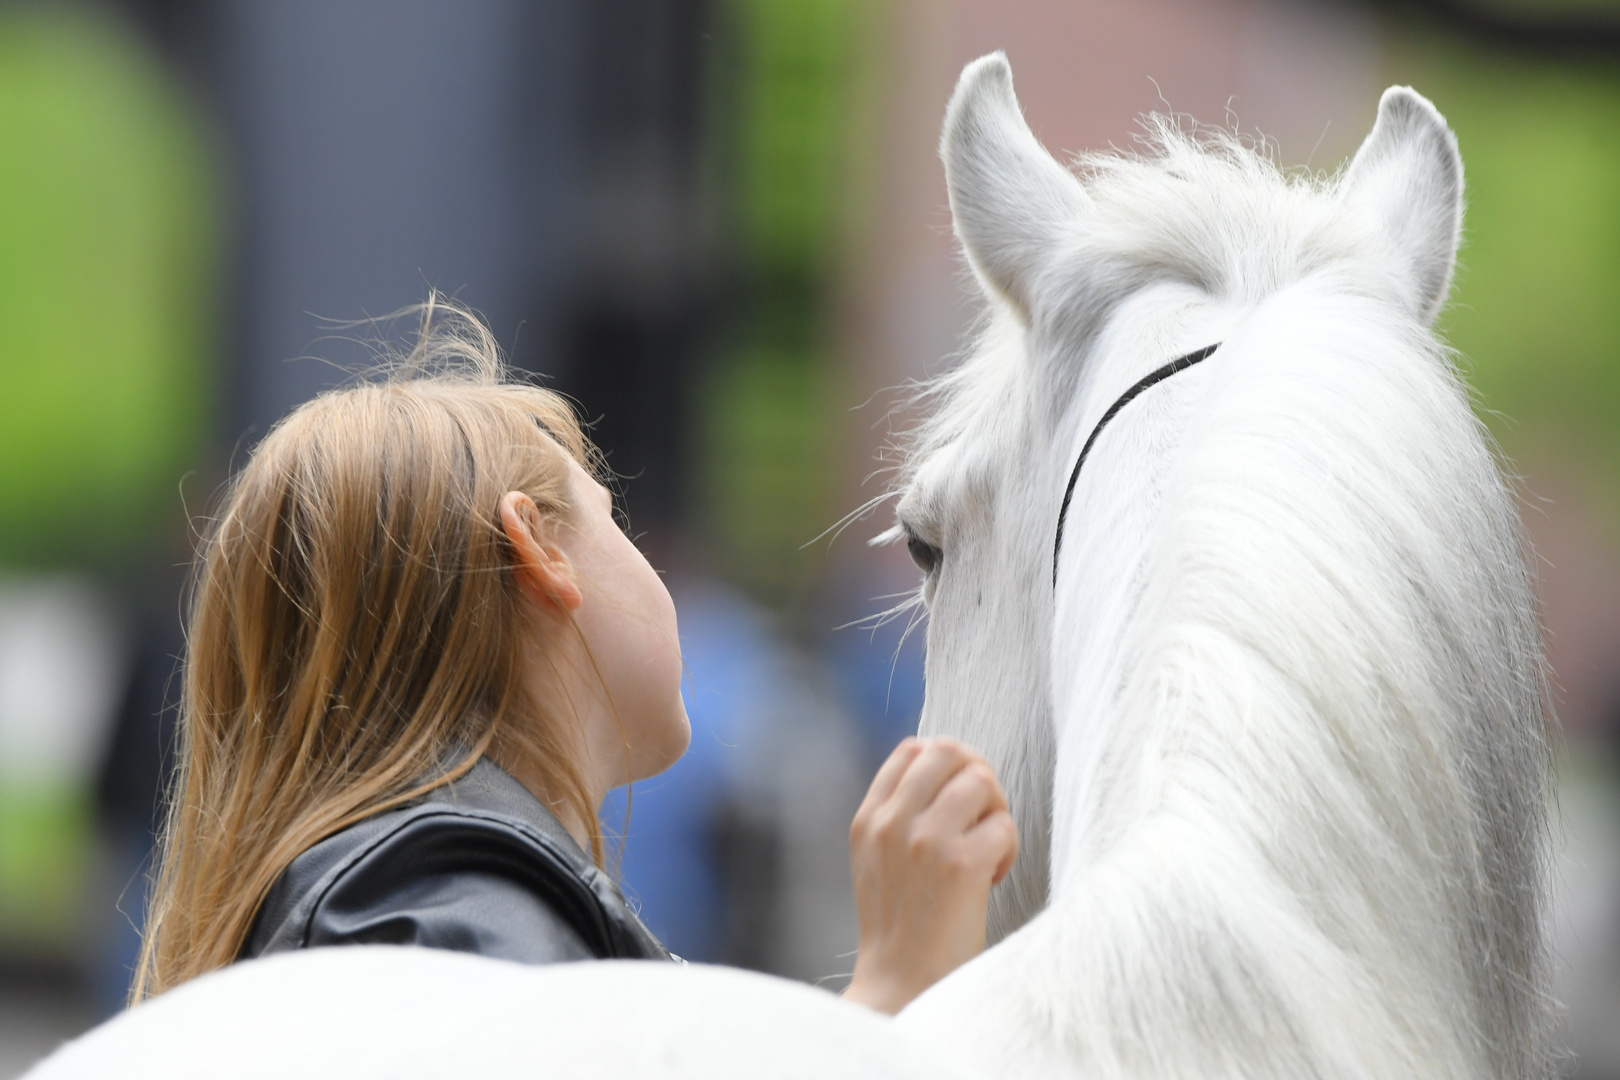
pixel 739 684
pixel 880 673
pixel 673 867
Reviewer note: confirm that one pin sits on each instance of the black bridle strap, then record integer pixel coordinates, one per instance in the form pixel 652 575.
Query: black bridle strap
pixel 1180 363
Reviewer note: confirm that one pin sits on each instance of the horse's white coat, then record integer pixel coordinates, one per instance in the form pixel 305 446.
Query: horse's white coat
pixel 1294 680
pixel 397 1013
pixel 1289 683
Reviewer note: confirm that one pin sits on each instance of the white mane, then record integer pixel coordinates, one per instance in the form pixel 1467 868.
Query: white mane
pixel 1295 679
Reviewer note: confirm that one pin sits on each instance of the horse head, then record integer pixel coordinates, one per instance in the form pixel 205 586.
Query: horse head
pixel 1092 283
pixel 1273 649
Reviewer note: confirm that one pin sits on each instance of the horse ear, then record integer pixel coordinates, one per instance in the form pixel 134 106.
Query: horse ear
pixel 1010 200
pixel 1409 175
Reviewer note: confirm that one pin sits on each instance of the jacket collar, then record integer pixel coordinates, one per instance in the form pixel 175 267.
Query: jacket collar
pixel 488 787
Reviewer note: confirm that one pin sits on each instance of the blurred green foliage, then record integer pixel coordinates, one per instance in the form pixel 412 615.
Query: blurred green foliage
pixel 1536 308
pixel 1546 9
pixel 45 856
pixel 109 243
pixel 798 59
pixel 766 416
pixel 108 276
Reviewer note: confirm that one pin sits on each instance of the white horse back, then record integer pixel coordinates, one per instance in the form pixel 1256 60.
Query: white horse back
pixel 399 1013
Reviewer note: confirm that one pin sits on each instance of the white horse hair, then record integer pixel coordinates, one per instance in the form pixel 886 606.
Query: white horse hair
pixel 1290 685
pixel 381 1012
pixel 1275 740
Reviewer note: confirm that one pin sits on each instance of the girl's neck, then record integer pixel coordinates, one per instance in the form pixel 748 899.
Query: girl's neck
pixel 530 777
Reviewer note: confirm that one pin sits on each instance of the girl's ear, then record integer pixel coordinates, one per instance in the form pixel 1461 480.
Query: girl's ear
pixel 542 567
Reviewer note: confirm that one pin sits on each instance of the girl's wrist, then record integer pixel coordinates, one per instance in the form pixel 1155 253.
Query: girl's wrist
pixel 877 992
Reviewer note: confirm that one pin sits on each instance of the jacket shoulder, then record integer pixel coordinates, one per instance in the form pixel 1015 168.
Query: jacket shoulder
pixel 471 867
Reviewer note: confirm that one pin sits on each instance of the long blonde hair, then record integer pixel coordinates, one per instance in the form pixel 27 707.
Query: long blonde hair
pixel 355 631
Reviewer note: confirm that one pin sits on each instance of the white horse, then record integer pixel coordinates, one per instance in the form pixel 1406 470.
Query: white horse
pixel 1278 693
pixel 1263 678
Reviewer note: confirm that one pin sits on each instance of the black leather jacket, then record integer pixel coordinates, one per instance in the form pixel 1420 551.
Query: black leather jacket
pixel 478 865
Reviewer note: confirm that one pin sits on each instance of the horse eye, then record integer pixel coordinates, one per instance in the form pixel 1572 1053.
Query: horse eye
pixel 925 555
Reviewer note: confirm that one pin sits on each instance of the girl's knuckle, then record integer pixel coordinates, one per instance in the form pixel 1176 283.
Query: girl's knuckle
pixel 883 826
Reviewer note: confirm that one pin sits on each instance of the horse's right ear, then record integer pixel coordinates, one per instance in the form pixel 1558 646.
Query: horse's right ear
pixel 1409 175
pixel 1010 200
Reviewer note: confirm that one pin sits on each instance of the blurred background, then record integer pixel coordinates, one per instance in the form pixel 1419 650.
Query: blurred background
pixel 721 226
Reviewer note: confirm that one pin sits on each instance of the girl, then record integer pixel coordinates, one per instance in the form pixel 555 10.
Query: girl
pixel 420 654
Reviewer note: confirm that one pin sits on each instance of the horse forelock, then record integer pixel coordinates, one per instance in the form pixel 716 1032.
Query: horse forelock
pixel 1213 207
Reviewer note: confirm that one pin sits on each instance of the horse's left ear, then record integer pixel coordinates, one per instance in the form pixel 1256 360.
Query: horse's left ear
pixel 1011 202
pixel 1409 175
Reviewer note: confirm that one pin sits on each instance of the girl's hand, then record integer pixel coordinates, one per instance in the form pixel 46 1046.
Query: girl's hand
pixel 933 834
